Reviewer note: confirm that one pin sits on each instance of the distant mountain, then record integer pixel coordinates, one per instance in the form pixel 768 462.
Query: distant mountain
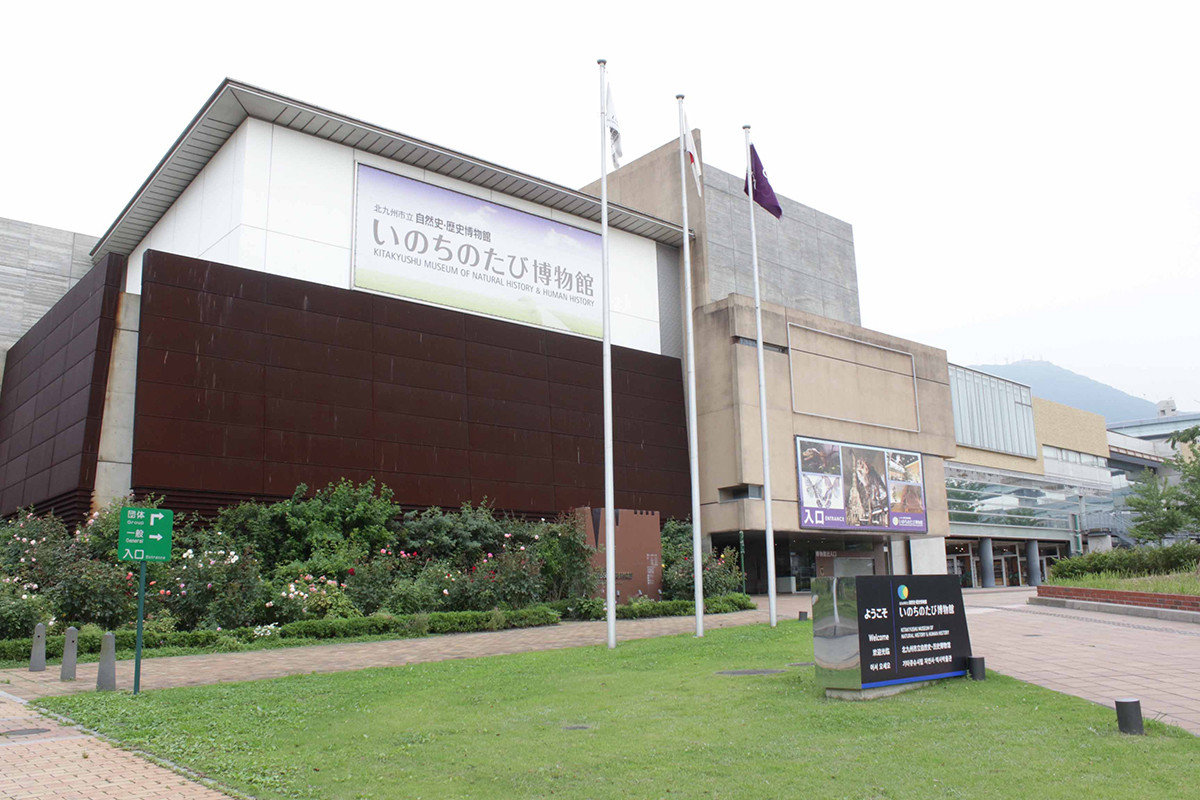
pixel 1052 382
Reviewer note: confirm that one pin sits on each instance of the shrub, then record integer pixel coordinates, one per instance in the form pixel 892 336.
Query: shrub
pixel 518 574
pixel 341 553
pixel 421 593
pixel 32 548
pixel 592 608
pixel 729 603
pixel 474 590
pixel 1178 557
pixel 532 617
pixel 20 611
pixel 567 570
pixel 580 608
pixel 341 628
pixel 369 585
pixel 328 532
pixel 419 624
pixel 462 538
pixel 158 624
pixel 720 571
pixel 100 531
pixel 94 592
pixel 309 597
pixel 213 582
pixel 333 603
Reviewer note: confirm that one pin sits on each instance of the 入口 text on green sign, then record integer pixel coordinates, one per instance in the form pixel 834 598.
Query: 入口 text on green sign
pixel 145 534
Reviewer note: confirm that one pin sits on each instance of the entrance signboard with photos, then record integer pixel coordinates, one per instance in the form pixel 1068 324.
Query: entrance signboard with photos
pixel 854 487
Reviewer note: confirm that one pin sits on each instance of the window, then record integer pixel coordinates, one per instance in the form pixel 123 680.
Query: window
pixel 728 494
pixel 992 413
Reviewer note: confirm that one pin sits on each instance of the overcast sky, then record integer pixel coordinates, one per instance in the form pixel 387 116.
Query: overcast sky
pixel 1023 178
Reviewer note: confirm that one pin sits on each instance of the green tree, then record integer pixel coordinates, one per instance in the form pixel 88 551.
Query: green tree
pixel 1187 462
pixel 1185 436
pixel 1157 506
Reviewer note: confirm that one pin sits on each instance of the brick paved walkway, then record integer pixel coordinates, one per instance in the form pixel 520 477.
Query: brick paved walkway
pixel 55 761
pixel 1096 656
pixel 162 673
pixel 1099 657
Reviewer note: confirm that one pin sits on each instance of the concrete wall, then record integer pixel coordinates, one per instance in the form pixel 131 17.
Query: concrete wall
pixel 37 267
pixel 727 402
pixel 278 201
pixel 806 259
pixel 115 457
pixel 928 555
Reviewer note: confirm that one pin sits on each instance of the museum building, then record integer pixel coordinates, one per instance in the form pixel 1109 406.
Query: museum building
pixel 294 297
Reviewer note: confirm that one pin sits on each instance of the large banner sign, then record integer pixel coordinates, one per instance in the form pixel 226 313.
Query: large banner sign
pixel 426 243
pixel 850 486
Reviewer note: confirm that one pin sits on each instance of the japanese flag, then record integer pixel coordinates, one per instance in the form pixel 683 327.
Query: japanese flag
pixel 614 129
pixel 690 144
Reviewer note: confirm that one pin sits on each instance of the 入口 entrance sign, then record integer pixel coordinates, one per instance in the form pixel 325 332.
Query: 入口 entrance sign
pixel 871 631
pixel 145 534
pixel 422 242
pixel 856 487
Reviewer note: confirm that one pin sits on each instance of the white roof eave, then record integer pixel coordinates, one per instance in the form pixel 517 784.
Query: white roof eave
pixel 232 103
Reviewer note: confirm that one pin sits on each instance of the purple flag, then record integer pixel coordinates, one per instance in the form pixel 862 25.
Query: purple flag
pixel 764 195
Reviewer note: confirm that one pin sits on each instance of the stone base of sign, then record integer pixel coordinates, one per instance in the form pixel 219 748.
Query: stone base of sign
pixel 876 692
pixel 1169 614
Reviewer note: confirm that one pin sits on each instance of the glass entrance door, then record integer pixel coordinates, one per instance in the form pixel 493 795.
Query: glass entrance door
pixel 1012 570
pixel 961 565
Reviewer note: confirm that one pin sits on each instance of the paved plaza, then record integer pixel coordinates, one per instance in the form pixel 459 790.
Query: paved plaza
pixel 1096 656
pixel 1099 657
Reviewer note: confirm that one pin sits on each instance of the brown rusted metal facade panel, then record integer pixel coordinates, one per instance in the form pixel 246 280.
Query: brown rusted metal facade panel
pixel 52 401
pixel 249 384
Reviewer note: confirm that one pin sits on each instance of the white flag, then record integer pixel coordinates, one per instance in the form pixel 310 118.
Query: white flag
pixel 614 129
pixel 690 144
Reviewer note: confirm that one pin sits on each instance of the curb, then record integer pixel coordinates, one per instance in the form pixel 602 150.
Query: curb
pixel 1167 614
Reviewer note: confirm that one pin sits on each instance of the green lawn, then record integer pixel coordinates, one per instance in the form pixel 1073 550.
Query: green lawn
pixel 660 723
pixel 1172 583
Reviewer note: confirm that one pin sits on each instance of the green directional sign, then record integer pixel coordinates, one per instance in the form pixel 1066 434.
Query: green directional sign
pixel 145 534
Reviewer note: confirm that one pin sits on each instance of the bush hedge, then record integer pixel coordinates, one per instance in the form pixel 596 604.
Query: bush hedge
pixel 398 625
pixel 1178 557
pixel 592 608
pixel 89 642
pixel 347 551
pixel 720 571
pixel 402 626
pixel 346 555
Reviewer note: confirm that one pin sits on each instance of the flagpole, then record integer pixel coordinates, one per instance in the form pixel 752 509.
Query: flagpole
pixel 762 395
pixel 610 554
pixel 693 438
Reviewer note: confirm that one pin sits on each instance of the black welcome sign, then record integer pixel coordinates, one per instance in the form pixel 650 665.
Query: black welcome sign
pixel 911 628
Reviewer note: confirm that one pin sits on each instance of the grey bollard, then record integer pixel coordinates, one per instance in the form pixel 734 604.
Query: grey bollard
pixel 106 676
pixel 70 652
pixel 1129 716
pixel 975 665
pixel 37 656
